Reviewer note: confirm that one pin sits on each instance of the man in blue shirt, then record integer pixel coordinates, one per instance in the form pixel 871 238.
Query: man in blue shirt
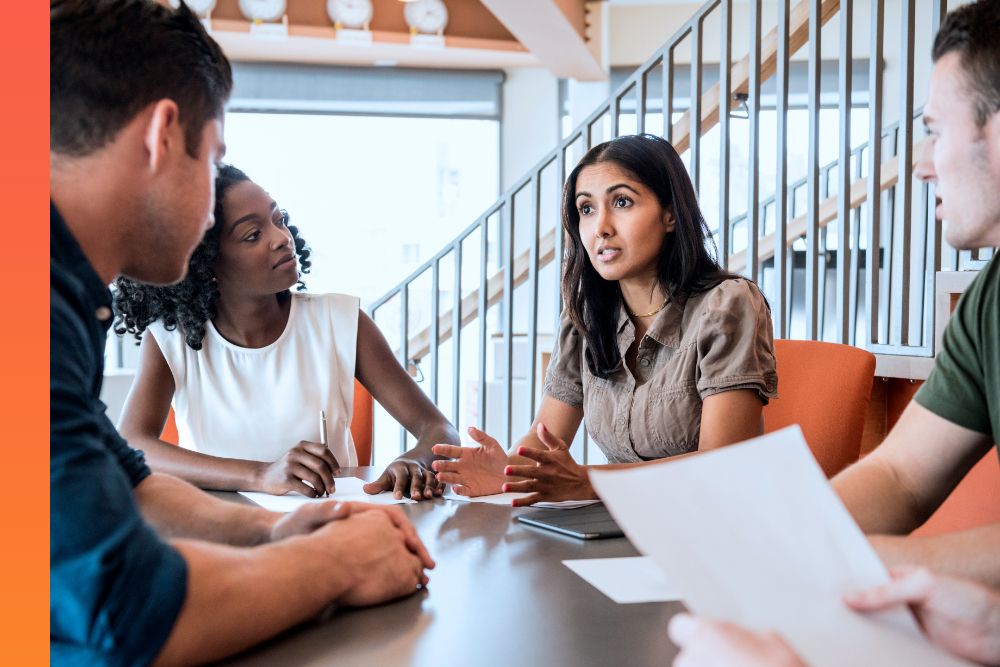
pixel 144 567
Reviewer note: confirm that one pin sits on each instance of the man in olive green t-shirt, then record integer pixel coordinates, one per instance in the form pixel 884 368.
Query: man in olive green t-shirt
pixel 954 420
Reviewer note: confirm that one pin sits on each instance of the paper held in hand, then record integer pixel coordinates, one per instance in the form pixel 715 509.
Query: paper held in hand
pixel 754 533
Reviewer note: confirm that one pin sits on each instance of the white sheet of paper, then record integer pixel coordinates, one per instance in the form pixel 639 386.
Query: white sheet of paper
pixel 625 580
pixel 754 533
pixel 508 498
pixel 348 489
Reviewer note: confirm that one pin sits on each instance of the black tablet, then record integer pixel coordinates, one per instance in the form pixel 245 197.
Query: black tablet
pixel 592 522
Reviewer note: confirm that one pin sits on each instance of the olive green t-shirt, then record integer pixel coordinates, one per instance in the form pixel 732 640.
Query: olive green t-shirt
pixel 964 386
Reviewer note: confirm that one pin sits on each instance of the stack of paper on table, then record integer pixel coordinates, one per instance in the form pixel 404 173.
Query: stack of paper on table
pixel 754 534
pixel 625 580
pixel 349 489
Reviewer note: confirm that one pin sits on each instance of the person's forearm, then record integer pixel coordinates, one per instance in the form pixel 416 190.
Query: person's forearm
pixel 970 554
pixel 204 471
pixel 437 432
pixel 625 466
pixel 238 597
pixel 178 510
pixel 876 499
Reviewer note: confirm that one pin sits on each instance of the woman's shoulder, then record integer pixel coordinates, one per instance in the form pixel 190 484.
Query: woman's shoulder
pixel 318 315
pixel 326 300
pixel 736 292
pixel 161 333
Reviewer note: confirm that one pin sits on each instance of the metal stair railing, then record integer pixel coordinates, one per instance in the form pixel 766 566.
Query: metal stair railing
pixel 889 288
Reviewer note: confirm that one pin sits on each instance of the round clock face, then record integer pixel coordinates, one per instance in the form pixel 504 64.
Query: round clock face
pixel 199 7
pixel 350 13
pixel 426 16
pixel 263 10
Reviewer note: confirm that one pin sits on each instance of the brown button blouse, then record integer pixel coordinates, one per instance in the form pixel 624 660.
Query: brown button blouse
pixel 716 341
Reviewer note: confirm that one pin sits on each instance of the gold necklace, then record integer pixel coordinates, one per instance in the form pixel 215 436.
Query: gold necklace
pixel 650 313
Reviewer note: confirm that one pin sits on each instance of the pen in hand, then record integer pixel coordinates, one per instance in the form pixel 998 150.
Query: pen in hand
pixel 323 437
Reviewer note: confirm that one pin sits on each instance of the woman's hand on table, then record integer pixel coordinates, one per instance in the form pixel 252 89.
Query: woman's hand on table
pixel 472 471
pixel 554 476
pixel 307 468
pixel 407 477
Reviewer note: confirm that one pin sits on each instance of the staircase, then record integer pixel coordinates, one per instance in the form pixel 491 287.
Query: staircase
pixel 841 255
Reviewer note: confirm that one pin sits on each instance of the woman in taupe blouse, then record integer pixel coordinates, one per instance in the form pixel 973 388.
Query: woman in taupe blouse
pixel 664 352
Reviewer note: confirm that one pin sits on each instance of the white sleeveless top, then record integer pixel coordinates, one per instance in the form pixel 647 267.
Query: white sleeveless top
pixel 257 403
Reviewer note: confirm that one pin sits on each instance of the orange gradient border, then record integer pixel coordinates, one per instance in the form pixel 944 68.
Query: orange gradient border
pixel 24 406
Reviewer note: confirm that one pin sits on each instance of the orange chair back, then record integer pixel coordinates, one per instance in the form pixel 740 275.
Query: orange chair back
pixel 825 389
pixel 974 502
pixel 361 425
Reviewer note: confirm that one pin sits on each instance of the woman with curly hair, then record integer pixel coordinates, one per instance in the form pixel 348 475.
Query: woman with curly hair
pixel 665 352
pixel 249 365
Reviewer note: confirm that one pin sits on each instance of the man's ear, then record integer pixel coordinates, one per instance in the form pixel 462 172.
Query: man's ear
pixel 669 222
pixel 164 134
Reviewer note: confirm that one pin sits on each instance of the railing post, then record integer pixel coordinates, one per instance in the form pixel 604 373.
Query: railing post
pixel 507 216
pixel 435 327
pixel 456 336
pixel 781 177
pixel 640 103
pixel 753 159
pixel 694 109
pixel 844 172
pixel 667 74
pixel 872 257
pixel 812 170
pixel 404 346
pixel 906 168
pixel 483 286
pixel 725 96
pixel 536 210
pixel 615 112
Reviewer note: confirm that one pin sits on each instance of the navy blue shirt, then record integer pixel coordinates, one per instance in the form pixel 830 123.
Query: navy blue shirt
pixel 115 587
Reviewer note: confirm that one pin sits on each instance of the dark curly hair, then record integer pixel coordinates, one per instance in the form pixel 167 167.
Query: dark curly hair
pixel 190 304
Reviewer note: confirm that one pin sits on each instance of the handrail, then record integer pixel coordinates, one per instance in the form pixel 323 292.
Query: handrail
pixel 680 133
pixel 420 343
pixel 895 242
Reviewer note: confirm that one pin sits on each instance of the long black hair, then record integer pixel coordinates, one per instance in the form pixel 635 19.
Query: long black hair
pixel 190 304
pixel 687 263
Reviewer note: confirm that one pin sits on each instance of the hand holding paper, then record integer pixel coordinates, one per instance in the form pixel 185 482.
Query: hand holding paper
pixel 754 534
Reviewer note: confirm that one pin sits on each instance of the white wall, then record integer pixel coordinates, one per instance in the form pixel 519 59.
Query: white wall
pixel 530 121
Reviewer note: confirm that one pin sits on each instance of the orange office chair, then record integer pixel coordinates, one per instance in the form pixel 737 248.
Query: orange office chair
pixel 974 502
pixel 361 425
pixel 825 389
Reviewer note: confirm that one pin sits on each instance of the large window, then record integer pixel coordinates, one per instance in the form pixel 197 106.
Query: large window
pixel 374 196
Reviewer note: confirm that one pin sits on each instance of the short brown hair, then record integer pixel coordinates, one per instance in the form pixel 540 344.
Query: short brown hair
pixel 109 59
pixel 973 31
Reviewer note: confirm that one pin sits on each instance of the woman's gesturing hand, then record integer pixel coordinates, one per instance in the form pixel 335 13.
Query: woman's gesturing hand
pixel 307 468
pixel 554 476
pixel 473 471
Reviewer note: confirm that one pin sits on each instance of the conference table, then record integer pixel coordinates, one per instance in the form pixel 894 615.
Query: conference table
pixel 499 596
